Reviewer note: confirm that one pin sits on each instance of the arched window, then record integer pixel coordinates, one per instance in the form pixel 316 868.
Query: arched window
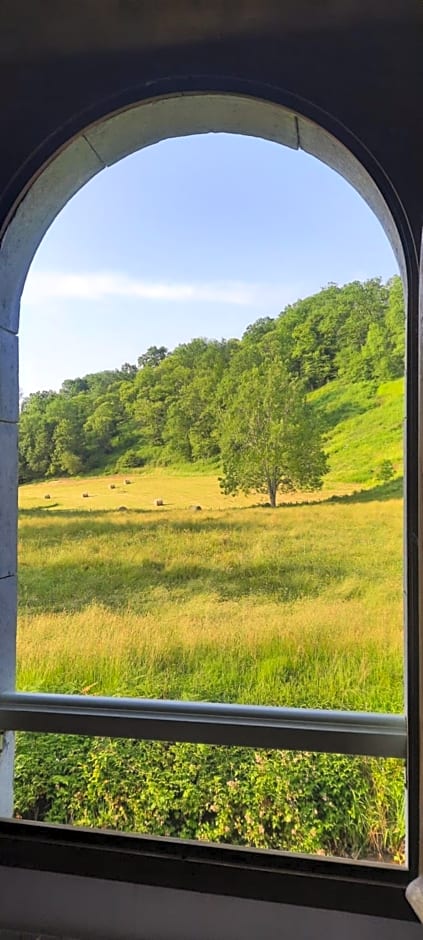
pixel 316 883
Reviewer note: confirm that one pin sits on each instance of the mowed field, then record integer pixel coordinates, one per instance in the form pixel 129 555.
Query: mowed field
pixel 298 606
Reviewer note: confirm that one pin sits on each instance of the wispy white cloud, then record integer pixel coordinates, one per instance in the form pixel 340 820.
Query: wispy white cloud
pixel 45 286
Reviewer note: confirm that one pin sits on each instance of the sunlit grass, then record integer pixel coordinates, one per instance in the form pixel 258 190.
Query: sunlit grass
pixel 300 606
pixel 364 426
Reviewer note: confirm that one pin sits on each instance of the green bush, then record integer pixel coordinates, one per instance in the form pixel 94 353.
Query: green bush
pixel 129 459
pixel 385 471
pixel 302 802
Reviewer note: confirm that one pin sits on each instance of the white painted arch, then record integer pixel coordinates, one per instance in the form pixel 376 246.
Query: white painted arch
pixel 100 145
pixel 125 132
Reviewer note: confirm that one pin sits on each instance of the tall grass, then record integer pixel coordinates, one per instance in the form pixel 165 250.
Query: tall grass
pixel 301 606
pixel 288 607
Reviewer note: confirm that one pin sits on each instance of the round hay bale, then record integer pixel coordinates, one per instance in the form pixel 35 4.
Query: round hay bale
pixel 158 502
pixel 47 496
pixel 127 482
pixel 85 495
pixel 112 486
pixel 195 507
pixel 122 508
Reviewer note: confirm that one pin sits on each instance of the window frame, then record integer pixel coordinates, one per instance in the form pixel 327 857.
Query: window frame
pixel 262 875
pixel 357 887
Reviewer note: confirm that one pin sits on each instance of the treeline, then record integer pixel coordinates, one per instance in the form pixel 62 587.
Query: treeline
pixel 168 406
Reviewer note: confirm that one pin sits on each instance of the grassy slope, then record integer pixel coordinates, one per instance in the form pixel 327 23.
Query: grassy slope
pixel 363 428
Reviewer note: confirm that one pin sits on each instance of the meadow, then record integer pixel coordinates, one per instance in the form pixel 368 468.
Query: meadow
pixel 297 606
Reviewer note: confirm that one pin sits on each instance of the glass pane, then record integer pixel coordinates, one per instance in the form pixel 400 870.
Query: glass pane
pixel 152 450
pixel 215 519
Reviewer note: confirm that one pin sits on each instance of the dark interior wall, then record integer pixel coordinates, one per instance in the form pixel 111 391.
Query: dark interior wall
pixel 355 65
pixel 68 906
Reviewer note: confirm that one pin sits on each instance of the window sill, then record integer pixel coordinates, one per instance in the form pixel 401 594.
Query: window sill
pixel 322 883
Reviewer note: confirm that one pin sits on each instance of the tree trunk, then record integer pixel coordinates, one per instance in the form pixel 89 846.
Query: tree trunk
pixel 272 490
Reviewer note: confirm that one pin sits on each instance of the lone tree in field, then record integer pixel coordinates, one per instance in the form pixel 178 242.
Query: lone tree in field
pixel 269 438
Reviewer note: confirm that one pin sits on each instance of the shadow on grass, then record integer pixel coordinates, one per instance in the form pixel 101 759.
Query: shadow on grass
pixel 70 586
pixel 81 524
pixel 81 527
pixel 330 417
pixel 98 519
pixel 51 510
pixel 394 489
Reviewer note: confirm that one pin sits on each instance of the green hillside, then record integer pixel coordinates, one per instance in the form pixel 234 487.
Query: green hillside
pixel 237 404
pixel 364 428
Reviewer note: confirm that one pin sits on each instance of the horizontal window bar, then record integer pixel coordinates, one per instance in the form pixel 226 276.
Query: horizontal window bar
pixel 208 723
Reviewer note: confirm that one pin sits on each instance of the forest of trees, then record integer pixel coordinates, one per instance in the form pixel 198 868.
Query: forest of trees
pixel 180 406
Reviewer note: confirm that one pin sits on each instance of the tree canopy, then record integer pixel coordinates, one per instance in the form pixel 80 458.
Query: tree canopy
pixel 170 406
pixel 270 438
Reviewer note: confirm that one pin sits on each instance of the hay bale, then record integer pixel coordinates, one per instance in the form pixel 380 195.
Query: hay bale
pixel 85 495
pixel 122 508
pixel 158 502
pixel 47 496
pixel 195 507
pixel 127 482
pixel 112 486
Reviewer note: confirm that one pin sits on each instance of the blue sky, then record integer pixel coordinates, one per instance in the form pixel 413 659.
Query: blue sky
pixel 196 236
